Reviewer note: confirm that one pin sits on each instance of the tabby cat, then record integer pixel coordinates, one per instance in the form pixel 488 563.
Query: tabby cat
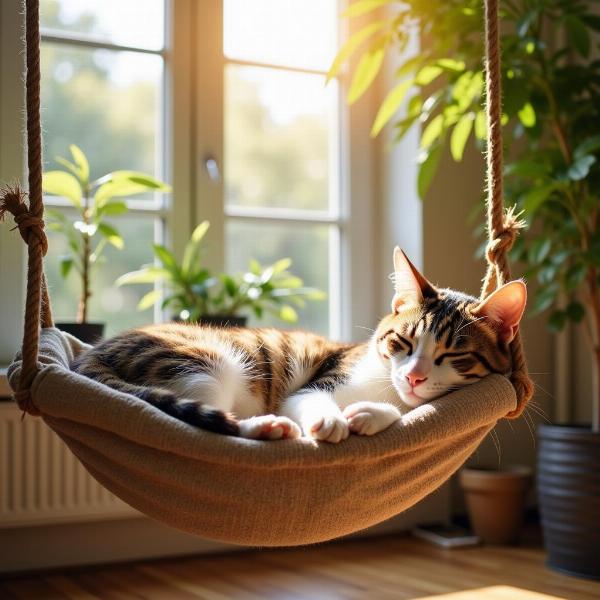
pixel 271 384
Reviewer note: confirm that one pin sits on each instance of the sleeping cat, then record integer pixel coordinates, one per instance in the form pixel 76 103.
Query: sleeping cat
pixel 271 384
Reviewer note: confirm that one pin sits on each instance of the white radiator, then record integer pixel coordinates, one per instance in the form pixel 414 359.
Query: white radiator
pixel 41 482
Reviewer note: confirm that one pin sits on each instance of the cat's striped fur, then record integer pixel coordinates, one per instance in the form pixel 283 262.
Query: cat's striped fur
pixel 272 384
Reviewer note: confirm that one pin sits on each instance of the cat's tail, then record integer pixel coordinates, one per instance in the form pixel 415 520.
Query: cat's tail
pixel 192 412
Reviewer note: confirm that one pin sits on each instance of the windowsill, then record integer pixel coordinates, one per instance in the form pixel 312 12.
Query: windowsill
pixel 5 391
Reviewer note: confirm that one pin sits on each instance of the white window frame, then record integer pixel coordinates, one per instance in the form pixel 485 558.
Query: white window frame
pixel 194 130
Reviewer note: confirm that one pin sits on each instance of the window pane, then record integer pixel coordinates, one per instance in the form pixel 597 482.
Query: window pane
pixel 280 139
pixel 106 102
pixel 116 306
pixel 294 33
pixel 306 245
pixel 125 22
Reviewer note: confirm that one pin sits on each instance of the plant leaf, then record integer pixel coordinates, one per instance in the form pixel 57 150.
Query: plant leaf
pixel 460 135
pixel 390 105
pixel 148 274
pixel 363 6
pixel 288 314
pixel 428 74
pixel 578 34
pixel 348 49
pixel 126 183
pixel 588 146
pixel 581 167
pixel 367 68
pixel 536 197
pixel 191 249
pixel 112 209
pixel 527 115
pixel 149 299
pixel 432 132
pixel 427 170
pixel 166 257
pixel 81 162
pixel 62 184
pixel 111 234
pixel 66 263
pixel 481 125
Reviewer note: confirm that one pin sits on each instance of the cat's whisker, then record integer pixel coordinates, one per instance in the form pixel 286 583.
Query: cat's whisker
pixel 526 418
pixel 496 441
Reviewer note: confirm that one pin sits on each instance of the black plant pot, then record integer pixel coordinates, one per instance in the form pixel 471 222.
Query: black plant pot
pixel 569 496
pixel 90 333
pixel 223 321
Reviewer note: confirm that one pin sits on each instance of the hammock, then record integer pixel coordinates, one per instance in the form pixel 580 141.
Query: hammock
pixel 245 491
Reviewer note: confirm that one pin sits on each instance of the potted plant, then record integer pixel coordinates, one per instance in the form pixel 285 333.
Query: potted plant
pixel 551 114
pixel 89 232
pixel 193 294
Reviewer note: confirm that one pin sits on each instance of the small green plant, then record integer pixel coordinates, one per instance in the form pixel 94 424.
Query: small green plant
pixel 191 291
pixel 89 233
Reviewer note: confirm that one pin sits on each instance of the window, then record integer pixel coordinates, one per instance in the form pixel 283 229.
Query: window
pixel 103 86
pixel 237 82
pixel 281 143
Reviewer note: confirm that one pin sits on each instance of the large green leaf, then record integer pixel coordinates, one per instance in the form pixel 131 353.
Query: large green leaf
pixel 390 105
pixel 126 183
pixel 62 184
pixel 81 163
pixel 148 274
pixel 427 170
pixel 348 49
pixel 367 68
pixel 460 135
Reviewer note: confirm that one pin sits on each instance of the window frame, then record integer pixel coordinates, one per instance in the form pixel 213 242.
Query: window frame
pixel 193 111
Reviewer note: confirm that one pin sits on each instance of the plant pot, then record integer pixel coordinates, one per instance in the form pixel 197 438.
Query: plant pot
pixel 569 497
pixel 223 321
pixel 496 501
pixel 90 333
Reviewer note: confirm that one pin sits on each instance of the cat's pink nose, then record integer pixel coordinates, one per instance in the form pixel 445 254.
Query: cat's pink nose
pixel 415 379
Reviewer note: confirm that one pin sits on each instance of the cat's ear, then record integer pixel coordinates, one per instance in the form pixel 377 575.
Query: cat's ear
pixel 409 285
pixel 504 308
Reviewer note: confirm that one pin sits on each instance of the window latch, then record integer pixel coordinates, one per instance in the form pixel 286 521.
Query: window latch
pixel 212 168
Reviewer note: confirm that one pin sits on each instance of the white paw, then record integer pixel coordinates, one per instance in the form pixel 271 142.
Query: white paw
pixel 269 427
pixel 332 428
pixel 369 418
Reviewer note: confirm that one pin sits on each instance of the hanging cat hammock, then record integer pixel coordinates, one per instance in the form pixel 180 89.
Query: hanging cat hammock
pixel 244 491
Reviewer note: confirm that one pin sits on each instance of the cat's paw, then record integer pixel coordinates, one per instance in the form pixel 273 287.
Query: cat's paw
pixel 369 418
pixel 332 428
pixel 269 427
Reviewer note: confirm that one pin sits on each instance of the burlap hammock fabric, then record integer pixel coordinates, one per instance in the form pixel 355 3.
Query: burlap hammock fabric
pixel 241 491
pixel 249 492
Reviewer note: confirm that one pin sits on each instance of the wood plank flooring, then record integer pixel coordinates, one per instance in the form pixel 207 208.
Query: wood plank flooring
pixel 397 567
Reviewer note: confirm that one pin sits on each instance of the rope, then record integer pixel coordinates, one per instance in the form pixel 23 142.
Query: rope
pixel 30 220
pixel 503 226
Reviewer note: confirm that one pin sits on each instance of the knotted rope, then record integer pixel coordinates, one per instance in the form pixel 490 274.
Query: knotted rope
pixel 503 226
pixel 30 220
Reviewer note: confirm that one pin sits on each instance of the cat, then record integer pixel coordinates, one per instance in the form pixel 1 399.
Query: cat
pixel 271 384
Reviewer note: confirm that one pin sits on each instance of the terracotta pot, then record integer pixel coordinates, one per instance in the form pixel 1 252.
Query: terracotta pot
pixel 90 333
pixel 496 501
pixel 569 495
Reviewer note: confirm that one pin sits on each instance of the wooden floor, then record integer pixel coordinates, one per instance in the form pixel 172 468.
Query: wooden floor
pixel 378 568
